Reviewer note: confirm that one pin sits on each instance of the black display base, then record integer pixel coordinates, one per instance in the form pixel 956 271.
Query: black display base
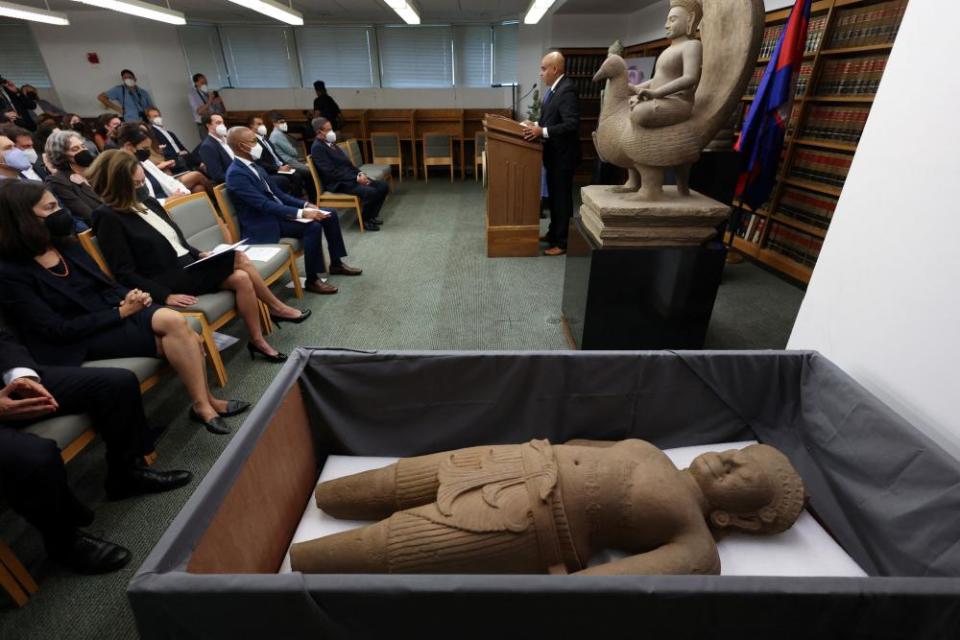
pixel 638 298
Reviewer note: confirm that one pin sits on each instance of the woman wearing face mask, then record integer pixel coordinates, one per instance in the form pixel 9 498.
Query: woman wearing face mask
pixel 146 250
pixel 134 140
pixel 106 130
pixel 65 151
pixel 75 123
pixel 67 311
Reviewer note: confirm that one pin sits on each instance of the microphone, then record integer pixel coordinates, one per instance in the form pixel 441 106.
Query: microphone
pixel 532 89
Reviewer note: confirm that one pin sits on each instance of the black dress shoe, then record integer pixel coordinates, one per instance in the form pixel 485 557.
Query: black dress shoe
pixel 304 314
pixel 137 481
pixel 376 221
pixel 86 554
pixel 344 270
pixel 214 425
pixel 253 350
pixel 370 226
pixel 235 408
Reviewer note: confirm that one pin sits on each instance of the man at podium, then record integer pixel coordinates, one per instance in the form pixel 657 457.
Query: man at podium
pixel 559 128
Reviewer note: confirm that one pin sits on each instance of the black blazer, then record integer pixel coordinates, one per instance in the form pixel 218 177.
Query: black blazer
pixel 81 199
pixel 561 117
pixel 137 254
pixel 169 153
pixel 270 160
pixel 215 159
pixel 13 354
pixel 50 318
pixel 333 165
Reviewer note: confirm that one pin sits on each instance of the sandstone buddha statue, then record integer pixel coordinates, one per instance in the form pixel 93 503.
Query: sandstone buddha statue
pixel 668 97
pixel 542 508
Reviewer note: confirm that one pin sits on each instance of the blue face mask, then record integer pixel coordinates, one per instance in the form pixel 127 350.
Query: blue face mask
pixel 17 159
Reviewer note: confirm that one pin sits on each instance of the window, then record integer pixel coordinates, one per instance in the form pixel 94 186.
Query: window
pixel 340 56
pixel 201 48
pixel 21 61
pixel 416 57
pixel 475 60
pixel 260 57
pixel 505 47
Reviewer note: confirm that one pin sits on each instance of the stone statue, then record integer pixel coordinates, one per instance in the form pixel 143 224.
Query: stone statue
pixel 540 508
pixel 615 48
pixel 668 120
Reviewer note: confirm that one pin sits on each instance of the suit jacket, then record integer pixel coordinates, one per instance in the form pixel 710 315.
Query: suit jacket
pixel 258 213
pixel 215 157
pixel 81 199
pixel 22 104
pixel 284 148
pixel 169 153
pixel 270 160
pixel 137 254
pixel 333 165
pixel 51 319
pixel 561 117
pixel 13 354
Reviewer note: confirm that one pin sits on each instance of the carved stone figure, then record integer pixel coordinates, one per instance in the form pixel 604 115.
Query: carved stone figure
pixel 540 508
pixel 667 121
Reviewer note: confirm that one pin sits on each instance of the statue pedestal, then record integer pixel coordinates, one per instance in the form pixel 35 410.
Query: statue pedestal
pixel 638 297
pixel 622 220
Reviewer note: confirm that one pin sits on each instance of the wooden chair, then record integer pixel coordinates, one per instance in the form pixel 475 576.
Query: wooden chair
pixel 437 151
pixel 382 172
pixel 387 151
pixel 334 200
pixel 479 146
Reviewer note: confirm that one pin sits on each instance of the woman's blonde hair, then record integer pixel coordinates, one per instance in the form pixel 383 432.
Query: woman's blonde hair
pixel 111 175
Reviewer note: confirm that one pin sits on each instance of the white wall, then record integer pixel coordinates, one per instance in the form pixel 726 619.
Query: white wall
pixel 884 300
pixel 459 98
pixel 150 49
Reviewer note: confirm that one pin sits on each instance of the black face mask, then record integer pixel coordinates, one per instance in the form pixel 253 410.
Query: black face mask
pixel 142 154
pixel 143 193
pixel 59 223
pixel 31 94
pixel 83 159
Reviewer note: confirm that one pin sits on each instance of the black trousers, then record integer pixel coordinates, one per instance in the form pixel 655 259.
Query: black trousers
pixel 371 196
pixel 33 480
pixel 560 199
pixel 312 234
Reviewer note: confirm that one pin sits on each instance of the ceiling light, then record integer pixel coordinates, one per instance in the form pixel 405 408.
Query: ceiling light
pixel 10 10
pixel 537 10
pixel 404 10
pixel 274 10
pixel 139 9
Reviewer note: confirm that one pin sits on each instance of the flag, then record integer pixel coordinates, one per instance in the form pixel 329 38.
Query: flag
pixel 764 128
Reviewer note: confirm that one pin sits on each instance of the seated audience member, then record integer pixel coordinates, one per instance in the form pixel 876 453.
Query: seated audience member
pixel 214 152
pixel 13 162
pixel 15 106
pixel 324 106
pixel 66 152
pixel 169 143
pixel 204 102
pixel 266 215
pixel 292 183
pixel 106 129
pixel 43 106
pixel 339 174
pixel 134 140
pixel 127 98
pixel 33 480
pixel 67 311
pixel 75 123
pixel 146 250
pixel 44 131
pixel 285 146
pixel 23 140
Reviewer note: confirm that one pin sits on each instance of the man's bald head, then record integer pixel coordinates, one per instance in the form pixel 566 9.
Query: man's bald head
pixel 552 67
pixel 241 140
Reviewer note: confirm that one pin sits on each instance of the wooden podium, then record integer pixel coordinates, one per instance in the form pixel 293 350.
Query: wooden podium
pixel 513 192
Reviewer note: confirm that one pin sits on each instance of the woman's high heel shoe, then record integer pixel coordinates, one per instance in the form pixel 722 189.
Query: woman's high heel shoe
pixel 304 314
pixel 253 350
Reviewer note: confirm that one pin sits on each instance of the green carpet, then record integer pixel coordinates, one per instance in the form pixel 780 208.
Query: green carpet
pixel 427 284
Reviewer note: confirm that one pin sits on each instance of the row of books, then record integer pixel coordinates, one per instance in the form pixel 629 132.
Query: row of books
pixel 796 245
pixel 579 65
pixel 751 227
pixel 870 25
pixel 587 88
pixel 815 31
pixel 803 78
pixel 852 76
pixel 806 206
pixel 835 123
pixel 829 167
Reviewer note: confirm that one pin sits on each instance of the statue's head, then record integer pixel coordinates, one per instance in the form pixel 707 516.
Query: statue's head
pixel 754 489
pixel 684 18
pixel 613 66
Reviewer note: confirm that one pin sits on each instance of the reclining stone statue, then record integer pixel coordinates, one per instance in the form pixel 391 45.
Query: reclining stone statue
pixel 542 508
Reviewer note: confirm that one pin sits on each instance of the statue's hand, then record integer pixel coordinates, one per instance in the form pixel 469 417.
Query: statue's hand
pixel 645 94
pixel 634 101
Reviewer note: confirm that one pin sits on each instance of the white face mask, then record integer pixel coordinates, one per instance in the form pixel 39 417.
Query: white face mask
pixel 158 121
pixel 282 126
pixel 262 130
pixel 331 136
pixel 130 82
pixel 256 151
pixel 204 88
pixel 221 130
pixel 31 155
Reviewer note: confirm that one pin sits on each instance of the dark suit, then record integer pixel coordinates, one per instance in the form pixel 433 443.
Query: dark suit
pixel 215 159
pixel 138 255
pixel 183 163
pixel 265 215
pixel 561 155
pixel 339 175
pixel 271 161
pixel 32 477
pixel 22 104
pixel 81 199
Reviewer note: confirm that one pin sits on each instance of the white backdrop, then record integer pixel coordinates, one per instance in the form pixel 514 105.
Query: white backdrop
pixel 884 300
